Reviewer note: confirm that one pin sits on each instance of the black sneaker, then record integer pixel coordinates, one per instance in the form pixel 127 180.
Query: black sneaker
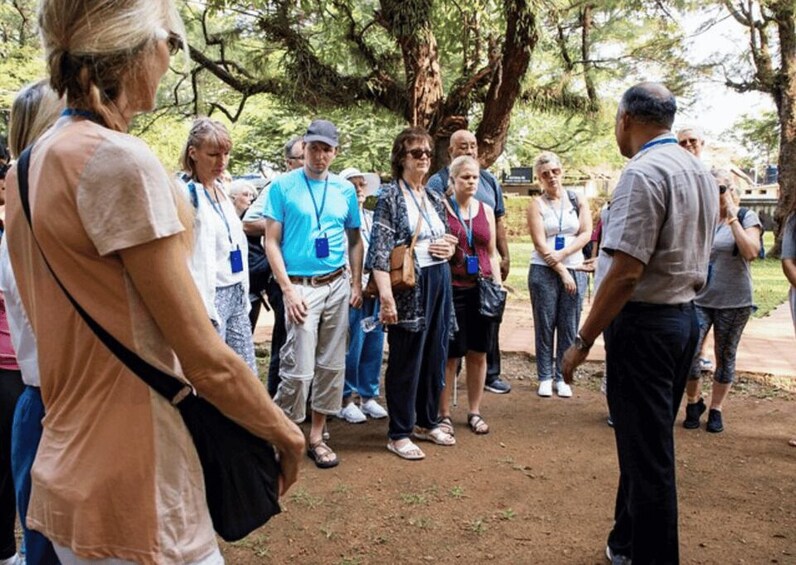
pixel 498 386
pixel 692 414
pixel 714 421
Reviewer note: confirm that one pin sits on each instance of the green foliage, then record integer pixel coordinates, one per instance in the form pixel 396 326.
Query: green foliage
pixel 758 135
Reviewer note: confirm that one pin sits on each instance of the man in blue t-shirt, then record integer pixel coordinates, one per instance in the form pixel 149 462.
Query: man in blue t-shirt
pixel 489 192
pixel 309 212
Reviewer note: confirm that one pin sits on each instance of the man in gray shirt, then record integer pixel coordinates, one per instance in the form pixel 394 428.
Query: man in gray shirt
pixel 658 240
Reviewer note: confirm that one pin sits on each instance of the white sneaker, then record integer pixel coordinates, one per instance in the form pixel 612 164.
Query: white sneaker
pixel 545 388
pixel 352 414
pixel 373 409
pixel 563 389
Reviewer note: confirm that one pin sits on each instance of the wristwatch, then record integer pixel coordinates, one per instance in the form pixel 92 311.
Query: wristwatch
pixel 581 344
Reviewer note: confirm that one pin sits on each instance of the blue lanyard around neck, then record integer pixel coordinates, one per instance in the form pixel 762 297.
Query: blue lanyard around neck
pixel 72 112
pixel 560 211
pixel 468 230
pixel 654 142
pixel 318 211
pixel 216 208
pixel 420 209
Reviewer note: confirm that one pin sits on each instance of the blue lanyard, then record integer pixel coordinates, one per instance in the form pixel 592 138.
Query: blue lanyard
pixel 318 211
pixel 654 142
pixel 560 212
pixel 420 209
pixel 70 112
pixel 217 208
pixel 468 230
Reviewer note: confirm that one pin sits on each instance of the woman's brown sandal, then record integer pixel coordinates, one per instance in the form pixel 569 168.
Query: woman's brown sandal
pixel 477 424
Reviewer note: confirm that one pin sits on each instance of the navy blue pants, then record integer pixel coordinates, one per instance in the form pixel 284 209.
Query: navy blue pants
pixel 278 335
pixel 415 373
pixel 649 349
pixel 26 435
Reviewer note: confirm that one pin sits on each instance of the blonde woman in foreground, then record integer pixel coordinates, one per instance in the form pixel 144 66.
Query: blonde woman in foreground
pixel 116 478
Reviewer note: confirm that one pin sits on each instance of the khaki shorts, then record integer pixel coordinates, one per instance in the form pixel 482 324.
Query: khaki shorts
pixel 314 352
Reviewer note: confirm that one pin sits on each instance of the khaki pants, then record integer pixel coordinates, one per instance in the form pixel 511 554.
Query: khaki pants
pixel 314 352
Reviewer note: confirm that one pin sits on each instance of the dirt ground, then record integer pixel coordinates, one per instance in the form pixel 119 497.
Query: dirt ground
pixel 538 489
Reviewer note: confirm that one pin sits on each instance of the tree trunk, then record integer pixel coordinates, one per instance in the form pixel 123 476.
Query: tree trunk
pixel 521 37
pixel 785 99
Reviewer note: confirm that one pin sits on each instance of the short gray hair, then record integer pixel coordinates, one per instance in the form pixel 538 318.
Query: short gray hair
pixel 544 158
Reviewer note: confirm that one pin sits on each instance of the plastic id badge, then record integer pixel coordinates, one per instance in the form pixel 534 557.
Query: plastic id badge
pixel 236 260
pixel 321 247
pixel 560 239
pixel 471 263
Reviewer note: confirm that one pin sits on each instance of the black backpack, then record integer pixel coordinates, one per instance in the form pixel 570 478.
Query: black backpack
pixel 760 254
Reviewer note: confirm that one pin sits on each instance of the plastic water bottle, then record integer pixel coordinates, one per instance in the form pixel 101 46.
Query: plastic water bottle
pixel 369 324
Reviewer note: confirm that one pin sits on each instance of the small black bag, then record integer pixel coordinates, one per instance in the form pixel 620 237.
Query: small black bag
pixel 241 473
pixel 492 299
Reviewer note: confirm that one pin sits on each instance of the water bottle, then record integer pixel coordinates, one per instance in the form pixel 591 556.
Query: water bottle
pixel 369 324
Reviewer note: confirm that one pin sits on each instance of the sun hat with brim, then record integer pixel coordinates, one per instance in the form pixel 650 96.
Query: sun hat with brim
pixel 323 131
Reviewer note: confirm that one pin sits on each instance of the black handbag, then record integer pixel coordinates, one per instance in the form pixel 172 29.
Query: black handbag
pixel 241 471
pixel 492 299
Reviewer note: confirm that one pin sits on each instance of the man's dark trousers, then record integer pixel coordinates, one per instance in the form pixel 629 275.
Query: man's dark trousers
pixel 649 350
pixel 278 335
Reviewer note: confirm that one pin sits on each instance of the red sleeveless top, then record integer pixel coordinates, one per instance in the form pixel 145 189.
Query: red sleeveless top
pixel 480 242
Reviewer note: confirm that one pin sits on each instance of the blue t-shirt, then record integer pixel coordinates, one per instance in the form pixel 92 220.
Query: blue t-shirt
pixel 289 202
pixel 489 191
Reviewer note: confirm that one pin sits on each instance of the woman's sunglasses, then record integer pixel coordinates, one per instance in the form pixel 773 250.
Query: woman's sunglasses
pixel 419 153
pixel 723 188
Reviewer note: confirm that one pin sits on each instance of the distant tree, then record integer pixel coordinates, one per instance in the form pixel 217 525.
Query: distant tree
pixel 771 68
pixel 758 135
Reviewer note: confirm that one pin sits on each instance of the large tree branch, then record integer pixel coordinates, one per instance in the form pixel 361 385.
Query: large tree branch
pixel 521 38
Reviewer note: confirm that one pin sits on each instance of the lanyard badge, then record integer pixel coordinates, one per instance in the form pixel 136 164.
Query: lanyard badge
pixel 236 260
pixel 322 242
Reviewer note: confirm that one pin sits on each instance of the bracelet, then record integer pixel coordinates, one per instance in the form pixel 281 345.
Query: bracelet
pixel 732 220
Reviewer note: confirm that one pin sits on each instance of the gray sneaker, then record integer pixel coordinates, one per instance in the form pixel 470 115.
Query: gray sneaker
pixel 498 386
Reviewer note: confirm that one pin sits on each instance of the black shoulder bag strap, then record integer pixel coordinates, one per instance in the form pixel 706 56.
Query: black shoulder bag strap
pixel 163 383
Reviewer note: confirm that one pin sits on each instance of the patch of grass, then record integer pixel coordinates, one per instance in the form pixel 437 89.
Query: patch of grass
pixel 328 532
pixel 302 497
pixel 257 544
pixel 507 514
pixel 457 492
pixel 341 488
pixel 477 526
pixel 350 561
pixel 421 522
pixel 414 499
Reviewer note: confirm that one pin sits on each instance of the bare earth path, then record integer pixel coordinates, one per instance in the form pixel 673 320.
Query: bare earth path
pixel 538 489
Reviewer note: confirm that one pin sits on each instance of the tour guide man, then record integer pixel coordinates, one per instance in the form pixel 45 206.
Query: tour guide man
pixel 309 212
pixel 658 239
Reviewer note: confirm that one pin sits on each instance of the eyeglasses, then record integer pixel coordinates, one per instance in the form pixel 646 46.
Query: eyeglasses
pixel 723 188
pixel 299 158
pixel 174 43
pixel 419 153
pixel 688 141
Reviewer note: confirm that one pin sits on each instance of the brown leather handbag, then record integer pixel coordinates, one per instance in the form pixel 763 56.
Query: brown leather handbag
pixel 402 266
